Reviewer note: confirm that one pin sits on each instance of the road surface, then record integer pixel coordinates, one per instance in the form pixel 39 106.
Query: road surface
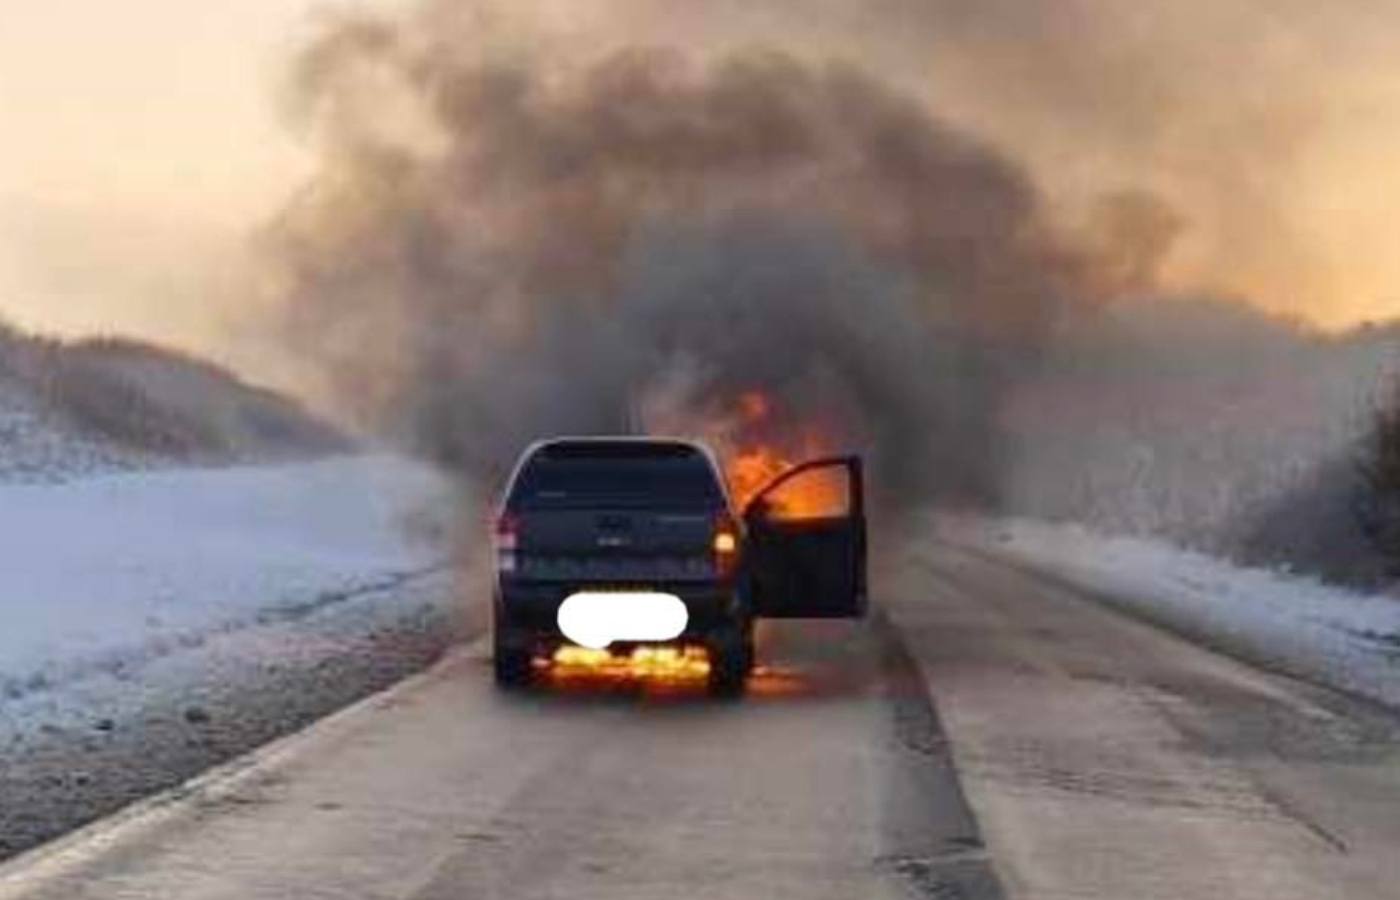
pixel 1099 758
pixel 1108 759
pixel 831 780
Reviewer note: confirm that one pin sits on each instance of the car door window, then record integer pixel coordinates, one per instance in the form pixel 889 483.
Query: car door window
pixel 814 494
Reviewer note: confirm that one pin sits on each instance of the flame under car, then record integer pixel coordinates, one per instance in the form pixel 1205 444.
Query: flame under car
pixel 610 546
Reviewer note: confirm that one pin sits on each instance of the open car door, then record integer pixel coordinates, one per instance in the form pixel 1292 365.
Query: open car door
pixel 806 542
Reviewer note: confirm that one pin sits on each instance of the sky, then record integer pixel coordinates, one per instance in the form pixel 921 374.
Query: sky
pixel 142 142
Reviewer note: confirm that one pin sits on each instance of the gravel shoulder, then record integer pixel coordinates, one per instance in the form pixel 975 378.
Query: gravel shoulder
pixel 74 756
pixel 158 623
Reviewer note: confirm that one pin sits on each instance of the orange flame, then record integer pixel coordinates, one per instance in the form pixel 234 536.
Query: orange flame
pixel 750 468
pixel 750 471
pixel 664 664
pixel 754 406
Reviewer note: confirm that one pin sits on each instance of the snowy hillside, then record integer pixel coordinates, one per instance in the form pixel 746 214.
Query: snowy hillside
pixel 1209 425
pixel 74 409
pixel 37 444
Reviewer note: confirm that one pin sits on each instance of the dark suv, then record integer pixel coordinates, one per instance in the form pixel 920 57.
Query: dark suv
pixel 612 521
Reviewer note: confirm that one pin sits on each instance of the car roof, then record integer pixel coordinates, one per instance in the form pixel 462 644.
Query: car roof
pixel 599 443
pixel 626 446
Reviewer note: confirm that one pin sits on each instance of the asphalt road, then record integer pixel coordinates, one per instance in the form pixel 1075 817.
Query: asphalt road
pixel 830 780
pixel 1108 759
pixel 1102 758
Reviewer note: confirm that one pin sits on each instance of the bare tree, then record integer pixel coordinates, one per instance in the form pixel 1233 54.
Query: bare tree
pixel 1378 501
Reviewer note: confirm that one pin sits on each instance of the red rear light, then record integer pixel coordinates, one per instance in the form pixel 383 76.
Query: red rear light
pixel 725 545
pixel 507 537
pixel 507 529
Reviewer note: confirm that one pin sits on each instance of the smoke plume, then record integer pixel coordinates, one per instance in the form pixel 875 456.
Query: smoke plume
pixel 1268 127
pixel 513 238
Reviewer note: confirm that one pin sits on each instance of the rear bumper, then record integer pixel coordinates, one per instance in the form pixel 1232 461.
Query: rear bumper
pixel 531 609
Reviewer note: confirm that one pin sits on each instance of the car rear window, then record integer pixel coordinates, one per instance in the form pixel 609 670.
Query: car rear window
pixel 631 475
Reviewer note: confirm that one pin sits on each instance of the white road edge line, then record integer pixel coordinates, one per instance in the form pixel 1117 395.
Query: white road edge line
pixel 50 859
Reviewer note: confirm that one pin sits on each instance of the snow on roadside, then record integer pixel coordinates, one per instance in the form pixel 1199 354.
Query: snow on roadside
pixel 1296 624
pixel 101 575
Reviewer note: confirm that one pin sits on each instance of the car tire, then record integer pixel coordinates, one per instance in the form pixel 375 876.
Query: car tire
pixel 511 660
pixel 731 659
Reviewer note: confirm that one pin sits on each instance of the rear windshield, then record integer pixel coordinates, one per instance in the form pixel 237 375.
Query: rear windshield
pixel 640 476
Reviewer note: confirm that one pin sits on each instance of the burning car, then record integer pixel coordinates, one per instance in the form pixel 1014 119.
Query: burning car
pixel 615 545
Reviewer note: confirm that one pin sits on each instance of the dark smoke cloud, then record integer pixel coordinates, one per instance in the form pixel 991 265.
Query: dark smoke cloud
pixel 1267 125
pixel 505 244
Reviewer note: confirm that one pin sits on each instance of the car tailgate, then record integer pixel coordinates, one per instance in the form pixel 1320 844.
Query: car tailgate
pixel 615 545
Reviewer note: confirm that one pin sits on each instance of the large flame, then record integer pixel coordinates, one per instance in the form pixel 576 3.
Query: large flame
pixel 653 666
pixel 757 450
pixel 749 471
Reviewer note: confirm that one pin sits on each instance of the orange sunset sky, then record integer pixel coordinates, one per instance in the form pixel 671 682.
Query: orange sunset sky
pixel 143 141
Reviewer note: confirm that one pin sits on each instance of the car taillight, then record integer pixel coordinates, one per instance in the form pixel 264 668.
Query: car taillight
pixel 507 535
pixel 726 546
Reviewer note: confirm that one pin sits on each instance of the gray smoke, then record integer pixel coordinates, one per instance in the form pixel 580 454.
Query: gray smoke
pixel 505 243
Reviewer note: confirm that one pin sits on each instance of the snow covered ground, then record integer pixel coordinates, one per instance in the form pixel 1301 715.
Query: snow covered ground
pixel 1294 624
pixel 106 573
pixel 155 623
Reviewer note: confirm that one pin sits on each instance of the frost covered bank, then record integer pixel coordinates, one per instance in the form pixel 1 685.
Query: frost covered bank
pixel 157 623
